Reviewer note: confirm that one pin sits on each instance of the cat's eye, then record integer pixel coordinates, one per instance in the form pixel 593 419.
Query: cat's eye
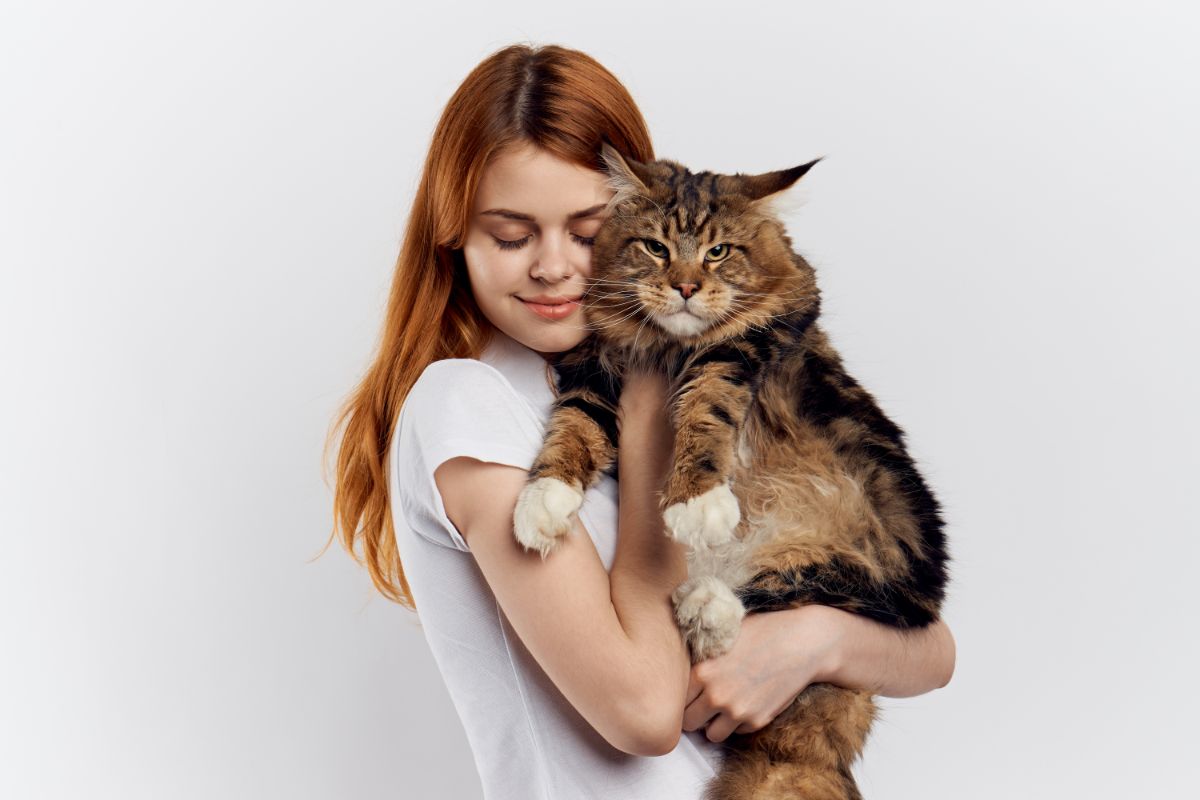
pixel 656 248
pixel 718 253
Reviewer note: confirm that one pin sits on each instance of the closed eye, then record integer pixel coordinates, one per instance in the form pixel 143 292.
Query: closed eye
pixel 517 244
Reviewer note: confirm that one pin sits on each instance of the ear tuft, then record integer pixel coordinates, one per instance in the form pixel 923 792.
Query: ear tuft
pixel 784 204
pixel 621 176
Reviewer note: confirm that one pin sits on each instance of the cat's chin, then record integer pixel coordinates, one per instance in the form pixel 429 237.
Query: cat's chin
pixel 682 323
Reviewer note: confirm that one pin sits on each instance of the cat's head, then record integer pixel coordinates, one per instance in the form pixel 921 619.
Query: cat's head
pixel 693 258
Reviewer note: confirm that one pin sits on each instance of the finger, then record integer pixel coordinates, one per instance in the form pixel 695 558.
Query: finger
pixel 720 728
pixel 747 727
pixel 698 714
pixel 695 687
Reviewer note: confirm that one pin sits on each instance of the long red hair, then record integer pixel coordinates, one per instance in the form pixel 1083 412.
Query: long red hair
pixel 558 99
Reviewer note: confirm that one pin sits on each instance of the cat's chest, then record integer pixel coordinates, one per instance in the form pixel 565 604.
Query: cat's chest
pixel 796 489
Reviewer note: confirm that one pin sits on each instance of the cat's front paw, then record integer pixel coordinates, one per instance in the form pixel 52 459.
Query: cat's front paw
pixel 709 614
pixel 708 519
pixel 544 512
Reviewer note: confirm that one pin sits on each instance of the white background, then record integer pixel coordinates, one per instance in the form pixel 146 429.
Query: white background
pixel 200 206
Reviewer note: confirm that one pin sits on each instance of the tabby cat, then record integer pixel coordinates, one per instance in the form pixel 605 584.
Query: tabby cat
pixel 789 485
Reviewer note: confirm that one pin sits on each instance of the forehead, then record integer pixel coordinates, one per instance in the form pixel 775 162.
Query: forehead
pixel 533 181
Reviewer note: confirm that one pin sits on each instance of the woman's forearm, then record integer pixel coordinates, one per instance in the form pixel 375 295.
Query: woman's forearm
pixel 778 654
pixel 646 568
pixel 888 661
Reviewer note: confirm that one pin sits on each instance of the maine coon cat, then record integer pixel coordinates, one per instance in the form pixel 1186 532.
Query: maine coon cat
pixel 789 484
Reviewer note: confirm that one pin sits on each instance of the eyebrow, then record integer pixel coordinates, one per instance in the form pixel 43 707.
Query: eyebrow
pixel 507 214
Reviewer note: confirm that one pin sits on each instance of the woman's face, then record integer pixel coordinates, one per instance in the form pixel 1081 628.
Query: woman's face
pixel 528 246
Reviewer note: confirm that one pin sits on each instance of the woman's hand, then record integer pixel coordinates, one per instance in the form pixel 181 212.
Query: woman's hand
pixel 779 653
pixel 776 655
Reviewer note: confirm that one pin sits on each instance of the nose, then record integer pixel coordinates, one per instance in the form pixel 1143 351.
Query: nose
pixel 553 264
pixel 686 289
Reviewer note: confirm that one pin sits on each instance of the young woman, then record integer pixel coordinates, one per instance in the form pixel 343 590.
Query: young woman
pixel 569 673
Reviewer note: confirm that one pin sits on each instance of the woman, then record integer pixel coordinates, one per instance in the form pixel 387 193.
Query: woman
pixel 567 673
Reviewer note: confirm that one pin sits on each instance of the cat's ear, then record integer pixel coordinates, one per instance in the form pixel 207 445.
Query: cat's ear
pixel 626 176
pixel 765 188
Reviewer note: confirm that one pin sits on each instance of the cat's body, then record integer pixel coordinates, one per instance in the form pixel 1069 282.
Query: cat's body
pixel 790 486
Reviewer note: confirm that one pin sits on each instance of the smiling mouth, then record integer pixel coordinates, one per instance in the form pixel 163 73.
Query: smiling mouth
pixel 556 310
pixel 551 303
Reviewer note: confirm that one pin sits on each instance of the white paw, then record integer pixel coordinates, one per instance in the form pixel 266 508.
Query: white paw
pixel 709 614
pixel 708 519
pixel 544 512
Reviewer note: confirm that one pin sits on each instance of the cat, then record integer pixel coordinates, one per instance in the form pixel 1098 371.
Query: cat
pixel 788 484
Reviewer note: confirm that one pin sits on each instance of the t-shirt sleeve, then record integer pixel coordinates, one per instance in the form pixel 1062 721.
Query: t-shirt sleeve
pixel 458 407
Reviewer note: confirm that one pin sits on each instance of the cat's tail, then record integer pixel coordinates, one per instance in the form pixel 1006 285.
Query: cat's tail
pixel 805 754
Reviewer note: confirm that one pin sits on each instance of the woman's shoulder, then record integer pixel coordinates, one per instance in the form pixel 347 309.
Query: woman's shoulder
pixel 469 396
pixel 459 381
pixel 452 369
pixel 457 407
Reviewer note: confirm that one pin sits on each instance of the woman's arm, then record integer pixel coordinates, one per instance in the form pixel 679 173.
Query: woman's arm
pixel 777 654
pixel 888 661
pixel 649 564
pixel 608 641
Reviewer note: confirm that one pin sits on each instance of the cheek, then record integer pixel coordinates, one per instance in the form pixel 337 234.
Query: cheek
pixel 490 272
pixel 476 270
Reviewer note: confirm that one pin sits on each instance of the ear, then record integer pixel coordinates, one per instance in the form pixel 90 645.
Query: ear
pixel 626 177
pixel 763 186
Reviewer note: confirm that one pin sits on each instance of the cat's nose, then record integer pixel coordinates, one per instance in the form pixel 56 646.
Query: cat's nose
pixel 686 289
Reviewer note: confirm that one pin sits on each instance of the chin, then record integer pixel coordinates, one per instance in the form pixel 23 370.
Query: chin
pixel 681 323
pixel 545 339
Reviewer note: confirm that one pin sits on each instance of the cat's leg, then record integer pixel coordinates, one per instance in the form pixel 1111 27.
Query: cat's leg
pixel 807 752
pixel 839 583
pixel 580 443
pixel 709 615
pixel 699 507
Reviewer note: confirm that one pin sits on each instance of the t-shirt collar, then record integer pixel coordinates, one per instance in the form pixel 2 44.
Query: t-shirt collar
pixel 525 369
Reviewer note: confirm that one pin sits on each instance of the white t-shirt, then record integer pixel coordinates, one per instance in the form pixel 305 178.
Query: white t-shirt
pixel 528 741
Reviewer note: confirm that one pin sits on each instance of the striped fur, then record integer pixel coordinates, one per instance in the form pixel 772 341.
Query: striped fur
pixel 826 507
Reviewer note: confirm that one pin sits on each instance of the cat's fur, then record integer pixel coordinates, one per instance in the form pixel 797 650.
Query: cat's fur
pixel 789 484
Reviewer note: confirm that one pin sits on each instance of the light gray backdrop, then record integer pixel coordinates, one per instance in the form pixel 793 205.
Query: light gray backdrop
pixel 200 204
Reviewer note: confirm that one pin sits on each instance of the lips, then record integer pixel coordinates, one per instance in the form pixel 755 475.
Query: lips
pixel 551 307
pixel 549 300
